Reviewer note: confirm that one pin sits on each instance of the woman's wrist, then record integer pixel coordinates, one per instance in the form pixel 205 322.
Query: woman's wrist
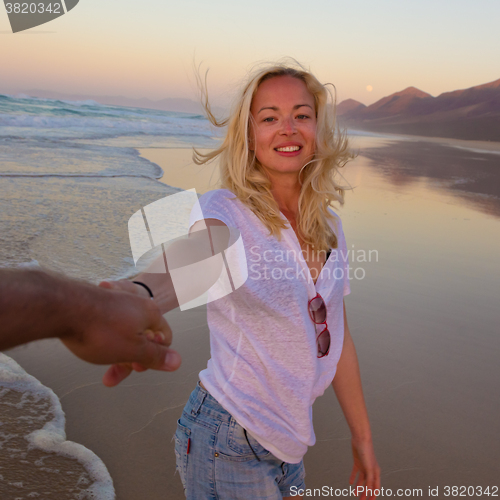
pixel 161 287
pixel 144 290
pixel 361 436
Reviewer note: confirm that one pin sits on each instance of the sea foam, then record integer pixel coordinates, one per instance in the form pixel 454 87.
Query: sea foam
pixel 36 460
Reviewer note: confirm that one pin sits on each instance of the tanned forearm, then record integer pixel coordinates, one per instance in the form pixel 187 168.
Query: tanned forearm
pixel 347 384
pixel 35 304
pixel 348 389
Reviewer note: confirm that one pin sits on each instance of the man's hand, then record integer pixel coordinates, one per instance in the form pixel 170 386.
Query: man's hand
pixel 126 330
pixel 103 325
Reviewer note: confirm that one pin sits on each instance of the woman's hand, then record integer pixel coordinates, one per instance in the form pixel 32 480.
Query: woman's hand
pixel 366 469
pixel 125 286
pixel 347 386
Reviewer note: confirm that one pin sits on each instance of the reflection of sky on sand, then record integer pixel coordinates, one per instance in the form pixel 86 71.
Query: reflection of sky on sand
pixel 471 176
pixel 424 318
pixel 420 227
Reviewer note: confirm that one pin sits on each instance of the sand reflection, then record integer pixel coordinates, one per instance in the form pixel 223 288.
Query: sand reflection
pixel 473 176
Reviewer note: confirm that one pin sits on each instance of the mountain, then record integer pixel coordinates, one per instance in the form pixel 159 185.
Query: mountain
pixel 472 113
pixel 348 106
pixel 395 104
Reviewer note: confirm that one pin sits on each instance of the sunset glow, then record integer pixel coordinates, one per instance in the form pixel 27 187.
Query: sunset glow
pixel 110 48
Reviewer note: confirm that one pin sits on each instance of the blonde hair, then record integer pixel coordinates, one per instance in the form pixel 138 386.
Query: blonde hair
pixel 242 173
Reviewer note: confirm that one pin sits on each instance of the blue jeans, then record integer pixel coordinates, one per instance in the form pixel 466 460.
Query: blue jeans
pixel 215 461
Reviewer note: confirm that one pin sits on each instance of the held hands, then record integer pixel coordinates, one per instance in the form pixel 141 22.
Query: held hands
pixel 366 469
pixel 157 336
pixel 127 330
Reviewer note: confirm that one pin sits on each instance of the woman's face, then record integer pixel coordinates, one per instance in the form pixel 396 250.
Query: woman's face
pixel 283 129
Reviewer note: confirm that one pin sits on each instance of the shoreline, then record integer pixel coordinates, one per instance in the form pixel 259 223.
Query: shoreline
pixel 179 170
pixel 471 145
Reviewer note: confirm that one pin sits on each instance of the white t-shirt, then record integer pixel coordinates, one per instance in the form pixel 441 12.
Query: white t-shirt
pixel 264 368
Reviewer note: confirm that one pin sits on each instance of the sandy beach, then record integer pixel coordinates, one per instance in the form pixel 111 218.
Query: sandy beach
pixel 179 169
pixel 423 315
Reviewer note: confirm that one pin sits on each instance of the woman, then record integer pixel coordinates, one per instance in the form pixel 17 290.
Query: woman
pixel 280 339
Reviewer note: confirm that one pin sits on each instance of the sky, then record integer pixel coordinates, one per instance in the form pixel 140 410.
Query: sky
pixel 367 49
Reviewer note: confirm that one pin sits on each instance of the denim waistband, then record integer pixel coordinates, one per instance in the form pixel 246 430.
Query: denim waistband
pixel 201 401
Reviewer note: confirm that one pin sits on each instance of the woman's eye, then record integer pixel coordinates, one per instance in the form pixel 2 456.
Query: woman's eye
pixel 269 119
pixel 302 117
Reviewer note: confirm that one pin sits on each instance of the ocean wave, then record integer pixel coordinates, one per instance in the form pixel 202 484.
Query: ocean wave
pixel 69 178
pixel 98 125
pixel 86 102
pixel 64 119
pixel 25 97
pixel 87 176
pixel 33 442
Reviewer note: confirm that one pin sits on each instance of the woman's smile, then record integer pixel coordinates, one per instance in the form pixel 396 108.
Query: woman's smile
pixel 289 149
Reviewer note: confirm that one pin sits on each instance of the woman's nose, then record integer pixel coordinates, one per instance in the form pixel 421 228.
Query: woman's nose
pixel 288 126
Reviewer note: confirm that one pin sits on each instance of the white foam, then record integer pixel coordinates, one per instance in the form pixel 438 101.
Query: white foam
pixel 115 124
pixel 32 264
pixel 476 150
pixel 52 437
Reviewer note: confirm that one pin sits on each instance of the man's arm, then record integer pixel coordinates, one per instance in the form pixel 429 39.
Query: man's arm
pixel 347 386
pixel 99 326
pixel 35 304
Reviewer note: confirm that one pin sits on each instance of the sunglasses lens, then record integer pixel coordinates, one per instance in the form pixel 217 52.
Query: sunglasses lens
pixel 323 343
pixel 317 310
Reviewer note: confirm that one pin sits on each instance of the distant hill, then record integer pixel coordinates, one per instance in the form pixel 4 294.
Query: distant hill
pixel 472 113
pixel 169 104
pixel 348 106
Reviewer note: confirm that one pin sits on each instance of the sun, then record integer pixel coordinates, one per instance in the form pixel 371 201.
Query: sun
pixel 369 88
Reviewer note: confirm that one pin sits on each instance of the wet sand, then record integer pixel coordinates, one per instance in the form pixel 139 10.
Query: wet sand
pixel 129 427
pixel 54 475
pixel 180 170
pixel 423 314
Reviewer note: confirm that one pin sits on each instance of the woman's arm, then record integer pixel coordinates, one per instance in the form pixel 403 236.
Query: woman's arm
pixel 347 386
pixel 170 277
